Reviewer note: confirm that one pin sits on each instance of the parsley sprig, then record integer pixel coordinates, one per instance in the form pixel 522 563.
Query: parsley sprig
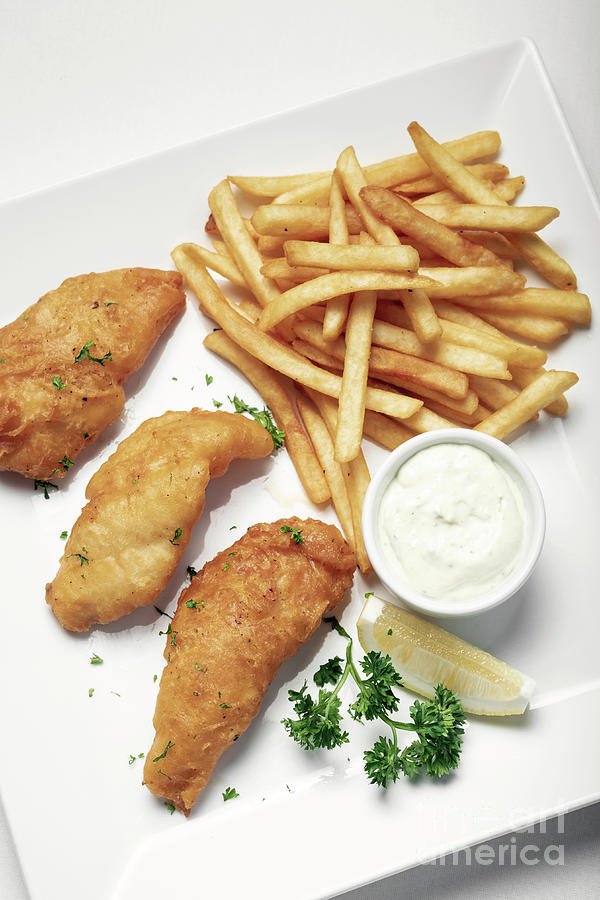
pixel 263 417
pixel 437 723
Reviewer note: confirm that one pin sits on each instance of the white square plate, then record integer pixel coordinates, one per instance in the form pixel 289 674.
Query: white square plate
pixel 304 826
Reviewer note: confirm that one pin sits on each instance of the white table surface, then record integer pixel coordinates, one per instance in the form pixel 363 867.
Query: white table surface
pixel 84 86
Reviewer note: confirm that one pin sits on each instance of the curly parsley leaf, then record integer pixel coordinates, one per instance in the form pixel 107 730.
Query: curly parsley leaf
pixel 84 353
pixel 296 533
pixel 329 672
pixel 263 417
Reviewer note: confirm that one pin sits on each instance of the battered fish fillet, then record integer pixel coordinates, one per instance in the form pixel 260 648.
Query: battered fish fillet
pixel 143 503
pixel 58 387
pixel 247 611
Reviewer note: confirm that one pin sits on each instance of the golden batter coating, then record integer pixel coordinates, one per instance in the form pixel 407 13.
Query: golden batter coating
pixel 64 361
pixel 143 503
pixel 244 614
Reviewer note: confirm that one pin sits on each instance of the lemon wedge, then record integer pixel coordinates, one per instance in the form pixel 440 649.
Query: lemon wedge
pixel 425 655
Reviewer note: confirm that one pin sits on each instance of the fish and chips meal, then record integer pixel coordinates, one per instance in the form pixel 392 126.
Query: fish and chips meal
pixel 375 301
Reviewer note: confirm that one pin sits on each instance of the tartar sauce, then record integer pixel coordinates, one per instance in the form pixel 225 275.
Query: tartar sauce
pixel 452 522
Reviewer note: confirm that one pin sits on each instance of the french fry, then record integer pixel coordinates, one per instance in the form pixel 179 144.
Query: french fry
pixel 455 415
pixel 523 377
pixel 278 401
pixel 431 183
pixel 403 216
pixel 239 243
pixel 496 345
pixel 354 379
pixel 305 223
pixel 332 285
pixel 273 185
pixel 323 445
pixel 544 390
pixel 400 168
pixel 457 177
pixel 497 243
pixel 336 308
pixel 455 356
pixel 422 315
pixel 387 432
pixel 273 352
pixel 570 306
pixel 507 219
pixel 542 330
pixel 280 268
pixel 427 420
pixel 471 280
pixel 534 250
pixel 365 258
pixel 505 190
pixel 356 475
pixel 491 391
pixel 419 372
pixel 222 263
pixel 354 180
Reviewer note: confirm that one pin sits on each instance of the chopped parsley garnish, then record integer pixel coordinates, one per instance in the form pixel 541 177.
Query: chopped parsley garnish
pixel 164 753
pixel 58 383
pixel 154 677
pixel 263 417
pixel 217 404
pixel 208 379
pixel 173 378
pixel 169 806
pixel 200 669
pixel 43 486
pixel 224 705
pixel 175 539
pixel 229 794
pixel 64 535
pixel 84 353
pixel 95 660
pixel 226 566
pixel 192 572
pixel 390 631
pixel 111 302
pixel 91 692
pixel 65 463
pixel 194 604
pixel 295 532
pixel 132 757
pixel 86 434
pixel 370 594
pixel 231 527
pixel 437 723
pixel 80 556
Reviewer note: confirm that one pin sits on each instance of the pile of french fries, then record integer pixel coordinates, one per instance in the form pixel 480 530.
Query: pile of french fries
pixel 387 296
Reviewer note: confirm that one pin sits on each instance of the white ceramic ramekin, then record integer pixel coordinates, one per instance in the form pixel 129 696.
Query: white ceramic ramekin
pixel 534 505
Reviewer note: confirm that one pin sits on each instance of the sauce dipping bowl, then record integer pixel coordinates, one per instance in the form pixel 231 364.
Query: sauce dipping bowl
pixel 535 519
